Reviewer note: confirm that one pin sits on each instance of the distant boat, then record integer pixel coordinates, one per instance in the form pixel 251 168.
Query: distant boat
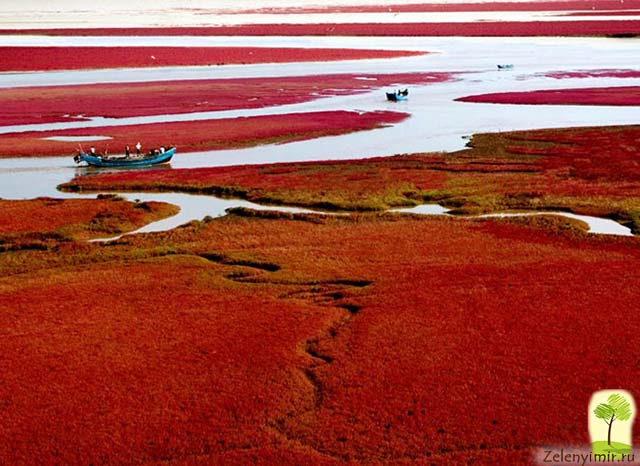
pixel 505 67
pixel 155 158
pixel 398 95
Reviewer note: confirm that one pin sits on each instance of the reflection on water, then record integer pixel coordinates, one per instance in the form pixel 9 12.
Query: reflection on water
pixel 88 170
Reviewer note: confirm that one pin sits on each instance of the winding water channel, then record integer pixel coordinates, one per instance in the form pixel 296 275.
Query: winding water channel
pixel 437 122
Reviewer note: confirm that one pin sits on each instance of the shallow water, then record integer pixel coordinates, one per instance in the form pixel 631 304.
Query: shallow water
pixel 437 122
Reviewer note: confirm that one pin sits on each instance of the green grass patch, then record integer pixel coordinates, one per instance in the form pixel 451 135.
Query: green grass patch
pixel 603 448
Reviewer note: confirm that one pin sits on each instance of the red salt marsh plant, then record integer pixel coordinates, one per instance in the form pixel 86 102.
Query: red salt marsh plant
pixel 83 58
pixel 292 340
pixel 43 104
pixel 76 218
pixel 469 29
pixel 194 136
pixel 626 95
pixel 169 357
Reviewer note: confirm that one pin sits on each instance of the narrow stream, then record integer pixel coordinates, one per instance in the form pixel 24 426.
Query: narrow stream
pixel 596 225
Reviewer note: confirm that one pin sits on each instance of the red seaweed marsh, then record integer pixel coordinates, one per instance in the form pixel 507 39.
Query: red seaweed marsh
pixel 321 274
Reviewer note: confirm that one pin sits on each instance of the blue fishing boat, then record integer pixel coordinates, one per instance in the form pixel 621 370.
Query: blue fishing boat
pixel 154 158
pixel 505 67
pixel 398 95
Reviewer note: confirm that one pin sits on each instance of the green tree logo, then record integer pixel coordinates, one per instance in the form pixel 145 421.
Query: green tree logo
pixel 616 408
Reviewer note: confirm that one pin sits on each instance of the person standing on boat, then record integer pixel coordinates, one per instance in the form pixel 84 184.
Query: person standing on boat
pixel 138 148
pixel 126 151
pixel 92 150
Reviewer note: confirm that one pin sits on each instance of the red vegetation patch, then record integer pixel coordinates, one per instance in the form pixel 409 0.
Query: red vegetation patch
pixel 590 154
pixel 194 136
pixel 592 74
pixel 77 218
pixel 454 7
pixel 147 361
pixel 63 103
pixel 629 95
pixel 281 341
pixel 472 29
pixel 81 58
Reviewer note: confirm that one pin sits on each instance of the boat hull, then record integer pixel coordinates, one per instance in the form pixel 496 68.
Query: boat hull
pixel 97 161
pixel 396 96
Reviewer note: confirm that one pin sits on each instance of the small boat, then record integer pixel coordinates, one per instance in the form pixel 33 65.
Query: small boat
pixel 398 95
pixel 155 158
pixel 505 67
